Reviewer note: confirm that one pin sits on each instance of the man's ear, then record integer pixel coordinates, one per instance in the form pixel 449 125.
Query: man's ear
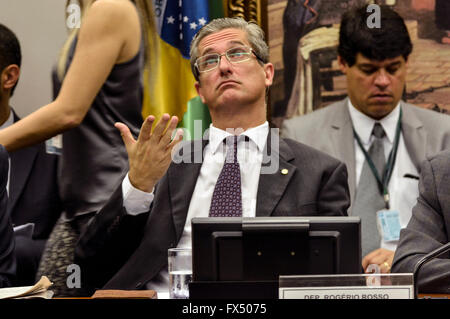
pixel 199 90
pixel 342 64
pixel 269 71
pixel 10 76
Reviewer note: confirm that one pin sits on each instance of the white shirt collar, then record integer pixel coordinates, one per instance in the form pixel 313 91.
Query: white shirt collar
pixel 256 134
pixel 363 124
pixel 9 121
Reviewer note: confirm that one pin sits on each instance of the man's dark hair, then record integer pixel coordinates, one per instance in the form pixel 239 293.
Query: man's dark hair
pixel 388 41
pixel 9 50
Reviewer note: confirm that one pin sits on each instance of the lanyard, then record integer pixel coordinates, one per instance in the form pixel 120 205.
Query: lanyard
pixel 384 181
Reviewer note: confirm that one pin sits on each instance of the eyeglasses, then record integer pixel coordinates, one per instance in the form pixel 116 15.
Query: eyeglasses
pixel 234 55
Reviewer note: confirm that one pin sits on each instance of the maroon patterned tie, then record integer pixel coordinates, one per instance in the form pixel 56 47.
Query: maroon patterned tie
pixel 227 199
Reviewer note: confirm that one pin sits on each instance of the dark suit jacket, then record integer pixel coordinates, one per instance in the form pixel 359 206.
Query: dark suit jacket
pixel 118 251
pixel 33 189
pixel 429 227
pixel 7 256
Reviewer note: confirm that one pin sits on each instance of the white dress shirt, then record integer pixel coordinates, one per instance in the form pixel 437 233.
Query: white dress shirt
pixel 249 154
pixel 403 191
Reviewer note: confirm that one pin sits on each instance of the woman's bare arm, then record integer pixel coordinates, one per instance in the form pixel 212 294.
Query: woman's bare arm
pixel 109 35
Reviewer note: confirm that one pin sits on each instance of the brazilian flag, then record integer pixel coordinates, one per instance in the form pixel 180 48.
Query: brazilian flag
pixel 174 91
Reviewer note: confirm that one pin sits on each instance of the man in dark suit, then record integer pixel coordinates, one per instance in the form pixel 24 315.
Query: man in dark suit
pixel 125 245
pixel 7 256
pixel 32 187
pixel 374 61
pixel 429 227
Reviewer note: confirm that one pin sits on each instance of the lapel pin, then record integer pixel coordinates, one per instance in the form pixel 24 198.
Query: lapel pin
pixel 284 171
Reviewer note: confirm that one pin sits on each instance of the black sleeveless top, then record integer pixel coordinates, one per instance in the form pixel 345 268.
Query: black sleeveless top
pixel 94 160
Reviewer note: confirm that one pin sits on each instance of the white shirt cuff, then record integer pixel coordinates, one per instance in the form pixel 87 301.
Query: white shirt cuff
pixel 135 201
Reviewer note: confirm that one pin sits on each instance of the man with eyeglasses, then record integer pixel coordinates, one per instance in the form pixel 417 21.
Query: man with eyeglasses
pixel 245 170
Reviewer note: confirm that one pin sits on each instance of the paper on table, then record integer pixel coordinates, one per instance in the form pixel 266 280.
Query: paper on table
pixel 48 294
pixel 39 290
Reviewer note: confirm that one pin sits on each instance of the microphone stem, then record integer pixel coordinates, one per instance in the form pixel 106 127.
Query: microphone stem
pixel 435 253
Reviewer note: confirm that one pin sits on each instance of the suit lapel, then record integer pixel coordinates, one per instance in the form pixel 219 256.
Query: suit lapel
pixel 182 179
pixel 21 164
pixel 414 135
pixel 276 157
pixel 341 135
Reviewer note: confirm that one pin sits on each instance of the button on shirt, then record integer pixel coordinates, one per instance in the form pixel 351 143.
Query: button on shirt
pixel 249 154
pixel 403 191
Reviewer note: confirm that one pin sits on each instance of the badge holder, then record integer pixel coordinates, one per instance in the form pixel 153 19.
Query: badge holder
pixel 54 145
pixel 388 222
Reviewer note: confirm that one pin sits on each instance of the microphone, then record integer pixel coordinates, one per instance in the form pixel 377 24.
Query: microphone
pixel 425 259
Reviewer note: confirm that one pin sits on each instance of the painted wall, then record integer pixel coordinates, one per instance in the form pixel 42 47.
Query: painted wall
pixel 40 28
pixel 428 79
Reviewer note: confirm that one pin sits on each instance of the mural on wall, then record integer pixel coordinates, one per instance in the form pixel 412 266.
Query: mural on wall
pixel 303 37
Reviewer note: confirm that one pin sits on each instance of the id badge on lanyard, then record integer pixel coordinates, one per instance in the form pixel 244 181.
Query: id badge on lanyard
pixel 54 145
pixel 388 222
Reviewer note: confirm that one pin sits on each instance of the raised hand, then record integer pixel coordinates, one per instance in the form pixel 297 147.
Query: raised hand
pixel 150 155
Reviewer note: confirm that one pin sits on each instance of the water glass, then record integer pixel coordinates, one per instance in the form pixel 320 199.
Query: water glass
pixel 180 272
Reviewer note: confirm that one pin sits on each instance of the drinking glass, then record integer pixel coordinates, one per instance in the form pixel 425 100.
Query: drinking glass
pixel 180 272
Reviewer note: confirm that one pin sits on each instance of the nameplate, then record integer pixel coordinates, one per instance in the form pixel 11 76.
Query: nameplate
pixel 347 292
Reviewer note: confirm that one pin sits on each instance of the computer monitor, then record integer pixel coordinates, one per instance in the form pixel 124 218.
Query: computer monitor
pixel 260 249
